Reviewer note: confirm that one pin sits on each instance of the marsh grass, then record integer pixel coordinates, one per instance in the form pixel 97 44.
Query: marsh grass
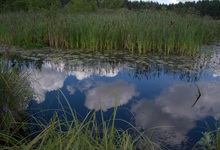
pixel 77 133
pixel 133 31
pixel 15 93
pixel 211 138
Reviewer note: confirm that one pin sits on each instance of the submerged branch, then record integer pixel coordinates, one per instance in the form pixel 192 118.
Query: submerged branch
pixel 197 96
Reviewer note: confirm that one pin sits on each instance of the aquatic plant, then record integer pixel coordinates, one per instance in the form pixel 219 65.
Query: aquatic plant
pixel 134 31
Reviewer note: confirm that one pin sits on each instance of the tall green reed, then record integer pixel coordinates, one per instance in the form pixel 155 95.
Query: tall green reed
pixel 134 31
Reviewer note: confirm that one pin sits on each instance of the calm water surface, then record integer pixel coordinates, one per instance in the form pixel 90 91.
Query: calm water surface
pixel 150 90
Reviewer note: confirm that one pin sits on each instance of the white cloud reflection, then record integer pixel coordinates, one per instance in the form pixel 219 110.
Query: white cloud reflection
pixel 70 89
pixel 216 74
pixel 174 108
pixel 102 70
pixel 169 130
pixel 46 80
pixel 177 100
pixel 80 75
pixel 52 76
pixel 108 95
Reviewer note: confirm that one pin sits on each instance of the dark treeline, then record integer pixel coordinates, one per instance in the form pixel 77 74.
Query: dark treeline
pixel 203 7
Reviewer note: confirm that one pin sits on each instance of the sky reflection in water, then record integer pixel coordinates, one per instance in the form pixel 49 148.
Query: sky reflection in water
pixel 161 94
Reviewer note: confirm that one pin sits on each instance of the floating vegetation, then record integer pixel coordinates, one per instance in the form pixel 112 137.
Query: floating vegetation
pixel 147 65
pixel 140 32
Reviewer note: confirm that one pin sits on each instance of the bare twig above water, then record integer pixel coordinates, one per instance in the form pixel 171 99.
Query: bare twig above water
pixel 197 96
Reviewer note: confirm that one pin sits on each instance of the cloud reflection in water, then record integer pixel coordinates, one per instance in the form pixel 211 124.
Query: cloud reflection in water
pixel 46 80
pixel 108 95
pixel 174 108
pixel 52 76
pixel 70 89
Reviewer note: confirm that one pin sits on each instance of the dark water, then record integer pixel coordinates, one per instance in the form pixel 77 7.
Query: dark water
pixel 177 94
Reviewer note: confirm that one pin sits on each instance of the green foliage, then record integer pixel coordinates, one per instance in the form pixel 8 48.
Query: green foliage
pixel 211 139
pixel 81 6
pixel 39 5
pixel 29 5
pixel 132 31
pixel 19 5
pixel 203 7
pixel 207 141
pixel 111 4
pixel 15 93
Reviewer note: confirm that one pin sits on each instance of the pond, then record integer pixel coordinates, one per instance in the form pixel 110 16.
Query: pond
pixel 175 96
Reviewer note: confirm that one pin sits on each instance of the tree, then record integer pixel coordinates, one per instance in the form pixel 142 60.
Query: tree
pixel 38 5
pixel 111 4
pixel 29 5
pixel 81 5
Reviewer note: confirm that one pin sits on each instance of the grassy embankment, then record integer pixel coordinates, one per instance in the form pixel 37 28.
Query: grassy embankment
pixel 133 31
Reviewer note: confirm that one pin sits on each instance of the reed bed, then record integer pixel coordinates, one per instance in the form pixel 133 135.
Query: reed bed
pixel 140 32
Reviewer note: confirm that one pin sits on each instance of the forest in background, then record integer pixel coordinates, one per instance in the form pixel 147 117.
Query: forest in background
pixel 202 7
